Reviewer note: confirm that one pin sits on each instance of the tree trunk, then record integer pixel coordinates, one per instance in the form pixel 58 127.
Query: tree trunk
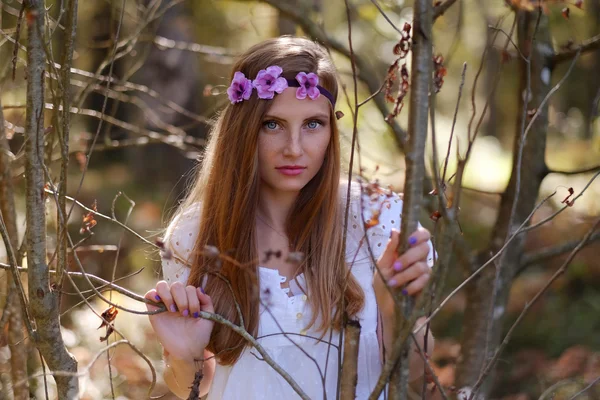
pixel 418 119
pixel 487 295
pixel 43 299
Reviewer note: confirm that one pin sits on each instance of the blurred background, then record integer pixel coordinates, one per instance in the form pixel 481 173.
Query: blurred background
pixel 169 77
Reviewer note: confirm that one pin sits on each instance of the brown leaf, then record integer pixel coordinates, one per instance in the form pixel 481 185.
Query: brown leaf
pixel 109 331
pixel 373 221
pixel 108 316
pixel 435 215
pixel 566 199
pixel 88 220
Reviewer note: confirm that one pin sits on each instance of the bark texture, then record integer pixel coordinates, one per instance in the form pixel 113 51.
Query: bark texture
pixel 43 300
pixel 418 118
pixel 350 363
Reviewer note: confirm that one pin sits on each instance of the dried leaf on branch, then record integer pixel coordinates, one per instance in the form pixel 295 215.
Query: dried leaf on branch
pixel 89 221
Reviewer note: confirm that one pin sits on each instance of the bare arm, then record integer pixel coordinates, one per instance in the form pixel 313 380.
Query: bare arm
pixel 179 374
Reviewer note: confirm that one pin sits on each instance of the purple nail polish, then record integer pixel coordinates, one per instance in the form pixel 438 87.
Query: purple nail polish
pixel 412 240
pixel 405 292
pixel 172 308
pixel 397 265
pixel 392 282
pixel 202 290
pixel 196 314
pixel 157 297
pixel 186 313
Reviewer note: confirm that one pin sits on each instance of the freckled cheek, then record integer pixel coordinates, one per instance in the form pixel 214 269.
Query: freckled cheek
pixel 267 152
pixel 319 148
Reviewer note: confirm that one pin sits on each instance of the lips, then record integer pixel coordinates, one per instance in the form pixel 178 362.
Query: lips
pixel 291 167
pixel 291 170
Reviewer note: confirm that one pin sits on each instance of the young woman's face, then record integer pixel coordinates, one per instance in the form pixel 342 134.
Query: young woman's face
pixel 293 140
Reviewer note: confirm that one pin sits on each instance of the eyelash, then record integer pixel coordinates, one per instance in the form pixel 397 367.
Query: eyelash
pixel 264 124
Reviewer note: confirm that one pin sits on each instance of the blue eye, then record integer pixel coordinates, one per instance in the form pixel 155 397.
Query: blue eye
pixel 270 124
pixel 314 124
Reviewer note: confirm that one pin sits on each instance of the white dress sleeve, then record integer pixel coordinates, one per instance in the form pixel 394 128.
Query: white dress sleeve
pixel 179 240
pixel 389 211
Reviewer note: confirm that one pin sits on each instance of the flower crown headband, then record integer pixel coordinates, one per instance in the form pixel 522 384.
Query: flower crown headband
pixel 268 82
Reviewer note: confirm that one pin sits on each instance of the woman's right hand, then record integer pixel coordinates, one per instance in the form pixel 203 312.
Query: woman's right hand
pixel 180 330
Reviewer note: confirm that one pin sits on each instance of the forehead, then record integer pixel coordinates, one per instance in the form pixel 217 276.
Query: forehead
pixel 286 104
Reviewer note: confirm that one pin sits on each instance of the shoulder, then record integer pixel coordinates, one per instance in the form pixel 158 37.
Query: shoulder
pixel 378 209
pixel 179 239
pixel 374 212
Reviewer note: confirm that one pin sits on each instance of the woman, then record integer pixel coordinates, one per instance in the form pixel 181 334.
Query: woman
pixel 269 189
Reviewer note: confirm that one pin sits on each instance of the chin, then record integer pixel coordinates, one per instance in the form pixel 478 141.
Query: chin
pixel 289 186
pixel 283 184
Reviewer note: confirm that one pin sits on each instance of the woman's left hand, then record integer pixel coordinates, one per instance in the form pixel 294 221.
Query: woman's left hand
pixel 408 269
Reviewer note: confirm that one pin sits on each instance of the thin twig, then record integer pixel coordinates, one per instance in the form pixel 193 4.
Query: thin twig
pixel 460 88
pixel 560 210
pixel 478 271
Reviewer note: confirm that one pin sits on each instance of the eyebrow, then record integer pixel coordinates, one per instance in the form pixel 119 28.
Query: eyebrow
pixel 318 115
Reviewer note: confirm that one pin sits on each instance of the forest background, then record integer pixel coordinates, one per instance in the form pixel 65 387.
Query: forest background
pixel 135 138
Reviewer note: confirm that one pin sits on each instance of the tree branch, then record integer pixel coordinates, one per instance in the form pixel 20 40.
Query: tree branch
pixel 590 44
pixel 548 252
pixel 349 371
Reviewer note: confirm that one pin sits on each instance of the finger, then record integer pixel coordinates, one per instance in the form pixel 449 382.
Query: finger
pixel 389 255
pixel 193 302
pixel 421 235
pixel 416 286
pixel 415 254
pixel 180 298
pixel 152 296
pixel 409 274
pixel 206 303
pixel 164 292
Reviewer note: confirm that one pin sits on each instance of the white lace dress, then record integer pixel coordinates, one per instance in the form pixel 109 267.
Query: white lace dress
pixel 313 364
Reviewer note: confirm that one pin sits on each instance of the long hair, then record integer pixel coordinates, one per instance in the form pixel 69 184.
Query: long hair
pixel 227 187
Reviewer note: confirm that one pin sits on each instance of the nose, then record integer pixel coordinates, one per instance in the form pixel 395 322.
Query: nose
pixel 293 145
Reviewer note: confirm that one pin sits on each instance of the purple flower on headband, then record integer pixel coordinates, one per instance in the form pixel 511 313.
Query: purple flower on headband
pixel 240 88
pixel 308 85
pixel 268 82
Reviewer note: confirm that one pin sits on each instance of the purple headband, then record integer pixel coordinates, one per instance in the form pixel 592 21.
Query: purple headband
pixel 269 81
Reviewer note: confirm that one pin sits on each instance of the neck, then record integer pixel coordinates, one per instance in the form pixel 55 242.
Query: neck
pixel 274 206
